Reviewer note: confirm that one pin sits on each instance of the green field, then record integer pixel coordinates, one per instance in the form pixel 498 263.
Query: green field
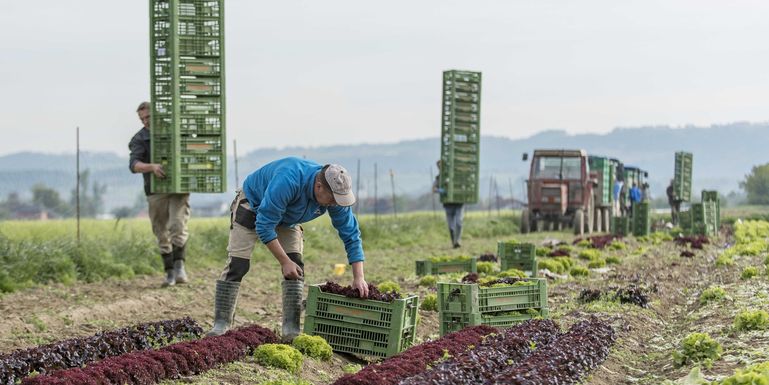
pixel 55 288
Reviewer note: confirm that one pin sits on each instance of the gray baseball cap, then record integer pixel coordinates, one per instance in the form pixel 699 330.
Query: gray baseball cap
pixel 341 184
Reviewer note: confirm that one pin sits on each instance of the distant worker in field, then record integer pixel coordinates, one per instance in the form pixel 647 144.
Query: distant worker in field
pixel 618 202
pixel 635 198
pixel 674 202
pixel 645 194
pixel 454 212
pixel 168 213
pixel 273 203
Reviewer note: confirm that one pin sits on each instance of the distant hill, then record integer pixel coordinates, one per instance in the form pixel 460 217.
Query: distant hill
pixel 723 154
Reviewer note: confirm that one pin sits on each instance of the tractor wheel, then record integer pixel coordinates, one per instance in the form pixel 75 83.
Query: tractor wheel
pixel 597 221
pixel 606 219
pixel 525 224
pixel 579 222
pixel 590 216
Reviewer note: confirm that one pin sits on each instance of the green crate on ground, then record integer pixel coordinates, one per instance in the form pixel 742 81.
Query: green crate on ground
pixel 521 256
pixel 399 313
pixel 359 339
pixel 641 219
pixel 685 220
pixel 452 322
pixel 470 297
pixel 620 226
pixel 360 326
pixel 508 320
pixel 428 267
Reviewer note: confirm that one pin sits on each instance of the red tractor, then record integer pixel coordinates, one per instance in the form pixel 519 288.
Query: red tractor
pixel 560 192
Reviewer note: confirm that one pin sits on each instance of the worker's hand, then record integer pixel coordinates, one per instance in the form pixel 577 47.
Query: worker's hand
pixel 361 285
pixel 158 170
pixel 291 270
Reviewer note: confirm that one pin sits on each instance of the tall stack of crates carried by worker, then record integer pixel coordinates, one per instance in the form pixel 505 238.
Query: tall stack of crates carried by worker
pixel 706 215
pixel 187 88
pixel 499 305
pixel 682 176
pixel 604 198
pixel 460 136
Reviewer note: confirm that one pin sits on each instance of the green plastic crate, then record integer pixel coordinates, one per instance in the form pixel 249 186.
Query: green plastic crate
pixel 471 298
pixel 604 190
pixel 521 256
pixel 428 267
pixel 187 87
pixel 682 176
pixel 641 219
pixel 685 220
pixel 460 136
pixel 361 326
pixel 452 322
pixel 620 226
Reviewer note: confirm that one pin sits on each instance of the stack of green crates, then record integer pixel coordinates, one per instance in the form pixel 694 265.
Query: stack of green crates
pixel 468 304
pixel 685 220
pixel 620 226
pixel 682 176
pixel 460 136
pixel 641 219
pixel 603 193
pixel 705 216
pixel 187 87
pixel 712 196
pixel 361 326
pixel 521 256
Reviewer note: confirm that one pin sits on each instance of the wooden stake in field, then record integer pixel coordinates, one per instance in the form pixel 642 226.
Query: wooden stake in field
pixel 357 191
pixel 491 181
pixel 77 188
pixel 392 187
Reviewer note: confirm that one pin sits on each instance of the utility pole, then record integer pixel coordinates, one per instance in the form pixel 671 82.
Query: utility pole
pixel 235 157
pixel 496 194
pixel 357 191
pixel 392 187
pixel 376 196
pixel 77 189
pixel 491 181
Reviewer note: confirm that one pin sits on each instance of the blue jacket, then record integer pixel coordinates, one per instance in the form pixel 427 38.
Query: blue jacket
pixel 281 194
pixel 635 194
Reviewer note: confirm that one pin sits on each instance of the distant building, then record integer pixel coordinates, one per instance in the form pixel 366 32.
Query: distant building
pixel 27 211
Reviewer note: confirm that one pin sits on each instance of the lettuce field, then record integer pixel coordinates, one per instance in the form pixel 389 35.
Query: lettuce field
pixel 661 309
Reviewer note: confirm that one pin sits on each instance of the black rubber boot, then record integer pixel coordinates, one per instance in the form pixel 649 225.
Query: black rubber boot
pixel 292 309
pixel 224 306
pixel 179 273
pixel 168 266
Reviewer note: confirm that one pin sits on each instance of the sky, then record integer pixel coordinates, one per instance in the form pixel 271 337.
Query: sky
pixel 315 73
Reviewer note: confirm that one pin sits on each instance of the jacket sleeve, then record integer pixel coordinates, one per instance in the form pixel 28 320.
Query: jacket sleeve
pixel 346 225
pixel 280 191
pixel 137 153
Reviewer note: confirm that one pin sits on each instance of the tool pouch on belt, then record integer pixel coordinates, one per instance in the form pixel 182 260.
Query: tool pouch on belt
pixel 244 216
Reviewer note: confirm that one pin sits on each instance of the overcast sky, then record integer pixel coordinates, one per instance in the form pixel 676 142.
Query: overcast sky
pixel 311 73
